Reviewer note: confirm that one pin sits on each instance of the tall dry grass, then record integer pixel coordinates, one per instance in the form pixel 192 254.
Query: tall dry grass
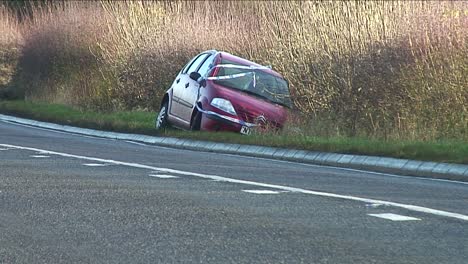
pixel 393 69
pixel 58 63
pixel 147 43
pixel 356 63
pixel 10 39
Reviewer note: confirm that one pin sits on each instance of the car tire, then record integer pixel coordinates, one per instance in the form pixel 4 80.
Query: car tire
pixel 161 122
pixel 196 121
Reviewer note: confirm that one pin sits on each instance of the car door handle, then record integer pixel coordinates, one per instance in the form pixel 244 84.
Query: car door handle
pixel 187 85
pixel 178 80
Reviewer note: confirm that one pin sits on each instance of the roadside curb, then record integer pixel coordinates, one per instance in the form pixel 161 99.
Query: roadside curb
pixel 449 171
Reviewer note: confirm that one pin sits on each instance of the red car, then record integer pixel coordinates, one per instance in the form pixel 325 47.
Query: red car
pixel 217 91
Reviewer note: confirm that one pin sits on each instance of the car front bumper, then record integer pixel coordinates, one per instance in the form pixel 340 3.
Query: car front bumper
pixel 213 121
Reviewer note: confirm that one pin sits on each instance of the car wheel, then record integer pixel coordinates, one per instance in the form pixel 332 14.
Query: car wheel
pixel 161 119
pixel 196 121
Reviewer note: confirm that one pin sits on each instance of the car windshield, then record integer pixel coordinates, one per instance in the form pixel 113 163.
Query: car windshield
pixel 253 80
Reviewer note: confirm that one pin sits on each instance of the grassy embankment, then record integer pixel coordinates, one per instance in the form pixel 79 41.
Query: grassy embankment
pixel 142 122
pixel 374 77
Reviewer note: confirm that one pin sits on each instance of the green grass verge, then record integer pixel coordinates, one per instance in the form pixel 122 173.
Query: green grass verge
pixel 143 123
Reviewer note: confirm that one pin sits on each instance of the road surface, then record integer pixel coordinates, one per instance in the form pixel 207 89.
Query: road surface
pixel 67 198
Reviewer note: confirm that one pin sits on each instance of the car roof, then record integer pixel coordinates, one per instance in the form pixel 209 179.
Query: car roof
pixel 236 59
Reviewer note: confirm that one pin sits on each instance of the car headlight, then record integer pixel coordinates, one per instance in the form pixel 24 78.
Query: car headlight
pixel 224 105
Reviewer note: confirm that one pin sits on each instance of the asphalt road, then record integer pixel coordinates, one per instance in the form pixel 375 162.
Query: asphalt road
pixel 73 199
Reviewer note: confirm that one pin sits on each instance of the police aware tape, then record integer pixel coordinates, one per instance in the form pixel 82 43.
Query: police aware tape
pixel 246 67
pixel 237 75
pixel 232 76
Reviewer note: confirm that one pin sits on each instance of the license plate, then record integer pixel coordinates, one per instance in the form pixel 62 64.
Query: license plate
pixel 245 130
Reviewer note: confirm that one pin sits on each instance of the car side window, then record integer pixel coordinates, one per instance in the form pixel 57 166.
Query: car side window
pixel 206 66
pixel 196 63
pixel 184 70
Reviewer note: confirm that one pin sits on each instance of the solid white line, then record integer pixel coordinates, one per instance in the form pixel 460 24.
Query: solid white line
pixel 86 136
pixel 162 176
pixel 395 217
pixel 347 169
pixel 251 183
pixel 55 131
pixel 261 191
pixel 249 157
pixel 136 143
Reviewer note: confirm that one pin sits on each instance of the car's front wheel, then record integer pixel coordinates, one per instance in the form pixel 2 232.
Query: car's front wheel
pixel 161 119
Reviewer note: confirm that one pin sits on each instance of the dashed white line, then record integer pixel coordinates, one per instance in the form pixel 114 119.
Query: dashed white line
pixel 95 164
pixel 163 176
pixel 395 217
pixel 252 183
pixel 373 205
pixel 261 191
pixel 39 156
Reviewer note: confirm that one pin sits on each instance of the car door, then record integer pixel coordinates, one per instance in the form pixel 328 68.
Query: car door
pixel 190 96
pixel 181 83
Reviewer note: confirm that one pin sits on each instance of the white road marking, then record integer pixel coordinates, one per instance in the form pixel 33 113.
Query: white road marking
pixel 163 176
pixel 261 191
pixel 375 205
pixel 395 217
pixel 252 183
pixel 346 169
pixel 136 143
pixel 39 156
pixel 1 149
pixel 247 157
pixel 95 164
pixel 57 131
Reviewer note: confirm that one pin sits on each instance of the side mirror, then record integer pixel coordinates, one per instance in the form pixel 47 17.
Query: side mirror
pixel 195 76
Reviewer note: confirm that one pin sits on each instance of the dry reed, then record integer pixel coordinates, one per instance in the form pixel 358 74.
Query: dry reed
pixel 392 69
pixel 10 39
